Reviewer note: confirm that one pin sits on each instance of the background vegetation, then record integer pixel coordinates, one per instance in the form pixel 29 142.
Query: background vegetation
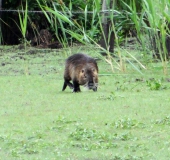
pixel 72 22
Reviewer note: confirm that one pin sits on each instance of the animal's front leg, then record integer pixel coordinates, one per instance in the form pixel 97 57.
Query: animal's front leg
pixel 76 87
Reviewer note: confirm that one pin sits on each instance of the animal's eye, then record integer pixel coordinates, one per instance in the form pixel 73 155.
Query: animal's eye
pixel 82 70
pixel 93 70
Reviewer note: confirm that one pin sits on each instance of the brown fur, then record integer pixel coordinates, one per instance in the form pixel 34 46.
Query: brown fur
pixel 81 70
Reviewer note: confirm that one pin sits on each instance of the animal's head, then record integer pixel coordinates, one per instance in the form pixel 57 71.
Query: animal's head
pixel 89 77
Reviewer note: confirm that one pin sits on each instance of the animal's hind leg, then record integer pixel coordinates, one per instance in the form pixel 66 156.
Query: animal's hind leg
pixel 64 86
pixel 67 83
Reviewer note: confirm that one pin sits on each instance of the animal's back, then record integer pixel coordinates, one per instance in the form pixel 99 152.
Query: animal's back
pixel 77 67
pixel 79 58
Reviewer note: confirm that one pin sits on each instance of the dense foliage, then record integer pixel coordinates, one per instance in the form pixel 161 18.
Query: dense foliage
pixel 75 10
pixel 35 19
pixel 10 30
pixel 132 18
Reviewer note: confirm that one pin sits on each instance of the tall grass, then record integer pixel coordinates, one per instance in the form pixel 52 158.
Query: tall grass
pixel 150 23
pixel 158 28
pixel 23 18
pixel 57 19
pixel 115 27
pixel 80 32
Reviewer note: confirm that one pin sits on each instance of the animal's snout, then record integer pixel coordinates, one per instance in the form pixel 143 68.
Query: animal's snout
pixel 90 84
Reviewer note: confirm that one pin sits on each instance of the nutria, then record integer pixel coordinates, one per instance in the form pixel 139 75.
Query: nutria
pixel 81 70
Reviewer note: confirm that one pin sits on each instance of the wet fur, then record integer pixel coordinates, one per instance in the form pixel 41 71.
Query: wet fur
pixel 81 70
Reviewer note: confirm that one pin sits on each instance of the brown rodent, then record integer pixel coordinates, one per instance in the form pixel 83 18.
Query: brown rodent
pixel 81 70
